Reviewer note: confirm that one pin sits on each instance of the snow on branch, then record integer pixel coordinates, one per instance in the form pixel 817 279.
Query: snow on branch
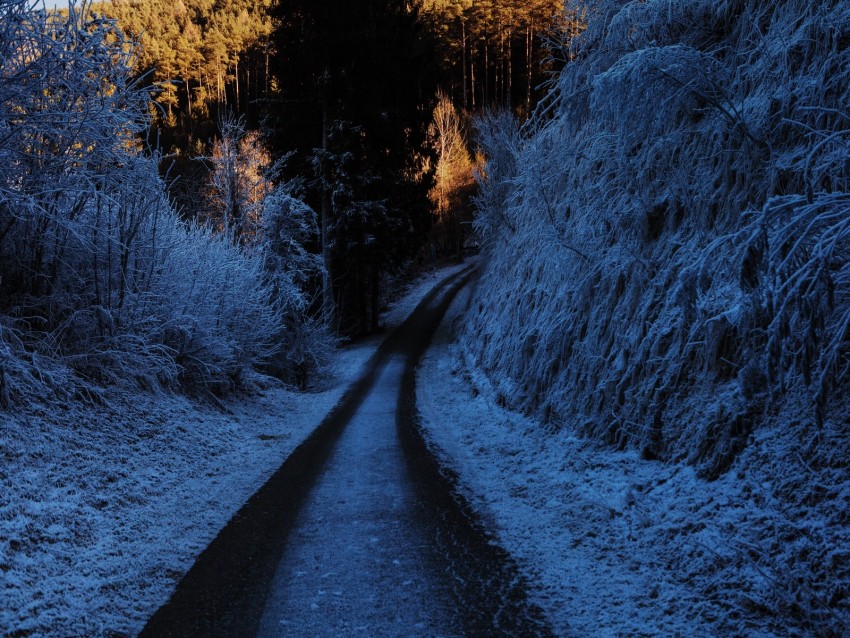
pixel 98 273
pixel 645 226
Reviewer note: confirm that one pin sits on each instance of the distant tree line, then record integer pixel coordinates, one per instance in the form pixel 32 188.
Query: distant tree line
pixel 292 229
pixel 202 55
pixel 495 52
pixel 349 90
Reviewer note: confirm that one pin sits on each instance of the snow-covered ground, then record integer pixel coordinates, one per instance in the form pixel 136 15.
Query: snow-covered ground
pixel 614 545
pixel 103 509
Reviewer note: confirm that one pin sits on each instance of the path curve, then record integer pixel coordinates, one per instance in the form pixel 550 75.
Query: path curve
pixel 358 533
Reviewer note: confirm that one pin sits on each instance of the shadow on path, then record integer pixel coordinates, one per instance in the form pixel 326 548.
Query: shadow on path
pixel 225 592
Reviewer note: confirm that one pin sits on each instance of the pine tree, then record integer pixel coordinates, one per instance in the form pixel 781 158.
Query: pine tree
pixel 492 51
pixel 355 82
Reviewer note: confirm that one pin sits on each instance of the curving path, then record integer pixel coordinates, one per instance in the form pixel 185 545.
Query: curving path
pixel 359 533
pixel 360 559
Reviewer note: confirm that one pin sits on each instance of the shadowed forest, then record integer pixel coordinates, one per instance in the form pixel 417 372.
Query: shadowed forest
pixel 290 148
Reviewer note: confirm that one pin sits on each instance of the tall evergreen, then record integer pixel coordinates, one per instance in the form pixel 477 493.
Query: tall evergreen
pixel 356 82
pixel 495 52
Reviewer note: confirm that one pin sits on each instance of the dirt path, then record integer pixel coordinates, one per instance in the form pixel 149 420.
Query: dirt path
pixel 360 558
pixel 358 533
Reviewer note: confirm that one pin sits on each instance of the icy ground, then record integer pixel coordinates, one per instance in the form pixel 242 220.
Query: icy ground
pixel 619 546
pixel 102 509
pixel 358 561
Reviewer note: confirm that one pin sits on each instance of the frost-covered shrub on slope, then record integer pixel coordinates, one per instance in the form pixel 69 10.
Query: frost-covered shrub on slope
pixel 249 202
pixel 96 270
pixel 667 252
pixel 289 225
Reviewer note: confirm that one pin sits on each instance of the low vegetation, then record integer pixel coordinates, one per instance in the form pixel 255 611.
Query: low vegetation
pixel 101 280
pixel 666 262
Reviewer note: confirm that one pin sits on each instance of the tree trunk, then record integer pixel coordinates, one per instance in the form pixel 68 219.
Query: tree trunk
pixel 486 99
pixel 463 47
pixel 510 69
pixel 472 75
pixel 529 39
pixel 376 298
pixel 327 293
pixel 237 83
pixel 499 63
pixel 218 84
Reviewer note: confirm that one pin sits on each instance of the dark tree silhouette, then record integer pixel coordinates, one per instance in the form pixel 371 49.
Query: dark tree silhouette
pixel 356 81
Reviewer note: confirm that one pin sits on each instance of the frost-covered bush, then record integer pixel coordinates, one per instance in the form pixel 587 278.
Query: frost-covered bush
pixel 499 139
pixel 667 268
pixel 670 249
pixel 98 272
pixel 289 225
pixel 249 203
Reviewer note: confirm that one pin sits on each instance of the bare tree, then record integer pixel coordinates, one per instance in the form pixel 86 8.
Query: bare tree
pixel 239 181
pixel 453 171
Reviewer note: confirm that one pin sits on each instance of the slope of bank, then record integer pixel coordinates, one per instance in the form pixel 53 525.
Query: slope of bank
pixel 614 544
pixel 666 271
pixel 667 250
pixel 103 509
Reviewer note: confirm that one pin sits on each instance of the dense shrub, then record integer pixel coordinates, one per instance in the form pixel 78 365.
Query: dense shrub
pixel 668 251
pixel 98 272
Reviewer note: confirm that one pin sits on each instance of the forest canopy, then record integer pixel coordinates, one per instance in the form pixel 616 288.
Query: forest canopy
pixel 499 52
pixel 202 55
